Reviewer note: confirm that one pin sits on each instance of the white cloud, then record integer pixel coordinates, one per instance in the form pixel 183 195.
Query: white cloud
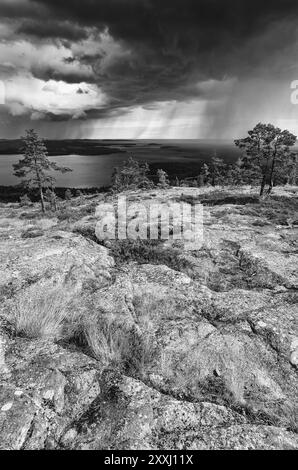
pixel 26 94
pixel 44 57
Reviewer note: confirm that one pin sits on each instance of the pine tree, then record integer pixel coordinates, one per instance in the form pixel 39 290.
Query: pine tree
pixel 35 167
pixel 68 195
pixel 177 182
pixel 163 179
pixel 200 180
pixel 218 170
pixel 265 149
pixel 205 171
pixel 50 196
pixel 291 169
pixel 25 200
pixel 132 175
pixel 235 173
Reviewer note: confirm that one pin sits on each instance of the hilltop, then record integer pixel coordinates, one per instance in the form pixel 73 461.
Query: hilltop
pixel 122 345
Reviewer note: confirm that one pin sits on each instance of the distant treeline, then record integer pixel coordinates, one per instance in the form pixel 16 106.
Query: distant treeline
pixel 267 160
pixel 14 193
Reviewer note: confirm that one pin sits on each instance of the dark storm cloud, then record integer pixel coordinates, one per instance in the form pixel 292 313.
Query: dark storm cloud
pixel 177 28
pixel 173 44
pixel 21 9
pixel 176 43
pixel 93 113
pixel 50 29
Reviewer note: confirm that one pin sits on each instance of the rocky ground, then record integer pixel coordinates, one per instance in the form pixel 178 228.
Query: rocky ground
pixel 150 347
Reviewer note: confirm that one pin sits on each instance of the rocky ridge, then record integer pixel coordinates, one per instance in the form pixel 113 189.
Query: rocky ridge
pixel 199 351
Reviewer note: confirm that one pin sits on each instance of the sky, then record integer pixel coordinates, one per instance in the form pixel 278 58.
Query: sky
pixel 147 69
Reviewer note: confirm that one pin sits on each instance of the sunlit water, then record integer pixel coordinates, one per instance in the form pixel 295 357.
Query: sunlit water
pixel 178 158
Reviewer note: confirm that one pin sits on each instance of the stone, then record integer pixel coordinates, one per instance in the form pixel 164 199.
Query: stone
pixel 7 406
pixel 200 349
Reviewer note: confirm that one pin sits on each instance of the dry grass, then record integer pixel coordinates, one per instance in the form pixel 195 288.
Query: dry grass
pixel 111 339
pixel 105 338
pixel 47 311
pixel 40 312
pixel 112 342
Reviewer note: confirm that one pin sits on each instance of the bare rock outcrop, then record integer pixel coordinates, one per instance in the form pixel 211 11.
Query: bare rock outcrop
pixel 197 351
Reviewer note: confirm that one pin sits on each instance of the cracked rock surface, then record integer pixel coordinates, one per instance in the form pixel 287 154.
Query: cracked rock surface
pixel 204 354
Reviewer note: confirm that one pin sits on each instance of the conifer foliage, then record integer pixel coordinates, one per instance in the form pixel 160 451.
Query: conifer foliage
pixel 35 168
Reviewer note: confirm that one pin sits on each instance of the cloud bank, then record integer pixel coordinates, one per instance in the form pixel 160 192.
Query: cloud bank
pixel 147 68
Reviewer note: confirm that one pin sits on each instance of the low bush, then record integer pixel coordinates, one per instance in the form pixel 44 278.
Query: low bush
pixel 33 232
pixel 147 252
pixel 131 175
pixel 33 215
pixel 75 214
pixel 25 201
pixel 86 231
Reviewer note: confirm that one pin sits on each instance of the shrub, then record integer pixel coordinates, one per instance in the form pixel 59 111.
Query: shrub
pixel 51 197
pixel 86 231
pixel 32 215
pixel 163 179
pixel 67 214
pixel 279 211
pixel 68 195
pixel 77 213
pixel 147 252
pixel 33 232
pixel 132 175
pixel 25 201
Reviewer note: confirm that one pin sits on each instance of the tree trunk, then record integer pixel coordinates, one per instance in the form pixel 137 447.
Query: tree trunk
pixel 270 187
pixel 271 177
pixel 42 200
pixel 293 180
pixel 263 185
pixel 54 199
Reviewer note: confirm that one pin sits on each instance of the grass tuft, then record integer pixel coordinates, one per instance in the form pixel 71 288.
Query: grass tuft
pixel 40 312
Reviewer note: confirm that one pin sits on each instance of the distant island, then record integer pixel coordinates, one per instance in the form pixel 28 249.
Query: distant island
pixel 66 147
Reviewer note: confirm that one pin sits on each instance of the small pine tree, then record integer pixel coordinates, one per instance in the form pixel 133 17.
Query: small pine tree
pixel 51 197
pixel 116 179
pixel 200 180
pixel 25 201
pixel 177 182
pixel 163 179
pixel 132 175
pixel 234 175
pixel 218 170
pixel 35 167
pixel 205 172
pixel 80 199
pixel 68 195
